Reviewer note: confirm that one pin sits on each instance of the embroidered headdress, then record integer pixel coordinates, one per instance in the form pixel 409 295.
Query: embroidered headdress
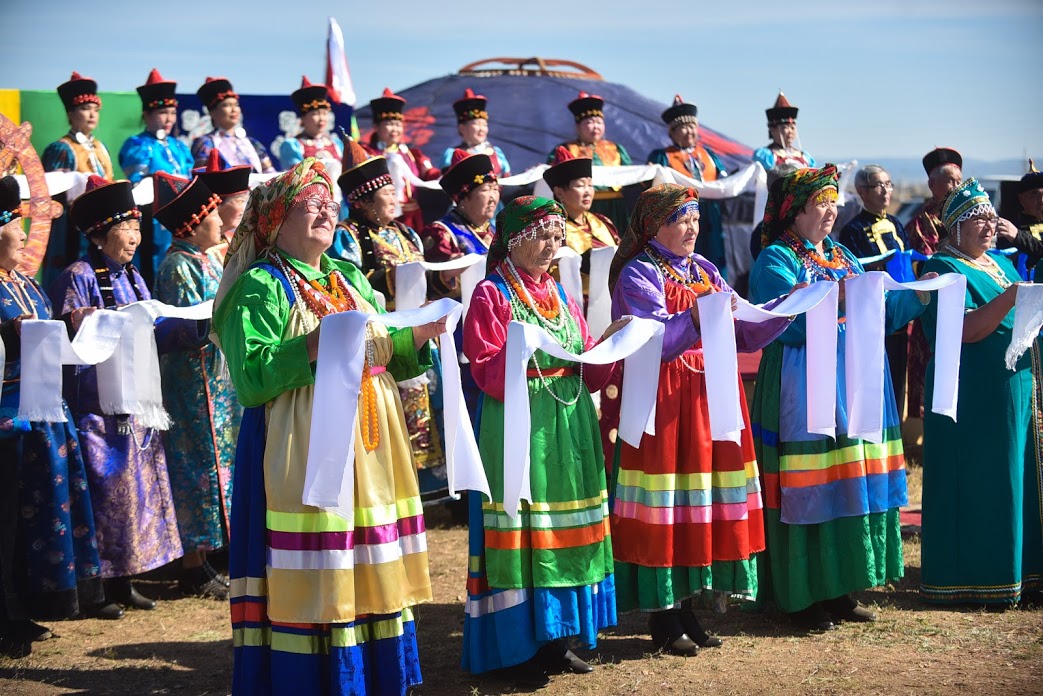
pixel 655 207
pixel 520 220
pixel 157 92
pixel 466 173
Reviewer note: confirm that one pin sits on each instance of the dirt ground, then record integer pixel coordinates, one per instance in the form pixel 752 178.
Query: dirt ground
pixel 183 647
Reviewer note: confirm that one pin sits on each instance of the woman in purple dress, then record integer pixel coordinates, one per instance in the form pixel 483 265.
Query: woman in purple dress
pixel 126 465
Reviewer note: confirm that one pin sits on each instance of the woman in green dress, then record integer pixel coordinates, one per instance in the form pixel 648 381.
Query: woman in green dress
pixel 545 575
pixel 982 473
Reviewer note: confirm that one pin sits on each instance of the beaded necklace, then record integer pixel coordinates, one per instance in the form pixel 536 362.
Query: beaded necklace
pixel 813 261
pixel 522 303
pixel 694 278
pixel 19 292
pixel 340 297
pixel 989 267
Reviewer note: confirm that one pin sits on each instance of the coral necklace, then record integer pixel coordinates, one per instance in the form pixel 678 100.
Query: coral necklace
pixel 815 262
pixel 694 278
pixel 340 297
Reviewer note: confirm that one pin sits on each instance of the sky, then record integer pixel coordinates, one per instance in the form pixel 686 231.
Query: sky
pixel 884 79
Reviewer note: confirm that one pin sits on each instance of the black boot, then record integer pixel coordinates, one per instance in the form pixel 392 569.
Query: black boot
pixel 695 631
pixel 555 658
pixel 527 675
pixel 197 582
pixel 122 590
pixel 213 572
pixel 668 633
pixel 845 608
pixel 814 618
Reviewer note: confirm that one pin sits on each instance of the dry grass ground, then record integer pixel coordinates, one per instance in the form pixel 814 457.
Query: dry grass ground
pixel 183 647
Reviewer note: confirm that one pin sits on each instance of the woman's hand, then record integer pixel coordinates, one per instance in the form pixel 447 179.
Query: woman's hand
pixel 798 286
pixel 614 327
pixel 77 316
pixel 18 322
pixel 425 332
pixel 843 285
pixel 923 295
pixel 1006 229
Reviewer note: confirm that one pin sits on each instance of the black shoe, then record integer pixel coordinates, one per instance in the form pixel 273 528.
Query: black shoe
pixel 15 647
pixel 668 634
pixel 109 611
pixel 556 658
pixel 814 618
pixel 690 622
pixel 122 590
pixel 220 577
pixel 26 630
pixel 196 582
pixel 845 608
pixel 527 675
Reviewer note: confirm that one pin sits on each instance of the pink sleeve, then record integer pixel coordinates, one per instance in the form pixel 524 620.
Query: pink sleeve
pixel 596 376
pixel 485 337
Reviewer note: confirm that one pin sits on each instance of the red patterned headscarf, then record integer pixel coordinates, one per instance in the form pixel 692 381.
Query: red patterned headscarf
pixel 654 208
pixel 788 196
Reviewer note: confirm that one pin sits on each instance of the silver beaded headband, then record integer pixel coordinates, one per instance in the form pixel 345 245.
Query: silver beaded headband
pixel 547 222
pixel 685 208
pixel 985 208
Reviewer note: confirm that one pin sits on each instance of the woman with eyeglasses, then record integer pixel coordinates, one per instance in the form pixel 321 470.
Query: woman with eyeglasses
pixel 982 538
pixel 320 605
pixel 373 240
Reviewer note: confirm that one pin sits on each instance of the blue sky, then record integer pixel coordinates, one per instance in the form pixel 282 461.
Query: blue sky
pixel 872 79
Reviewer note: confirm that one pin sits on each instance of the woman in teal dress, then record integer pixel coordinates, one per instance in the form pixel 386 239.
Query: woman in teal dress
pixel 830 505
pixel 197 390
pixel 983 473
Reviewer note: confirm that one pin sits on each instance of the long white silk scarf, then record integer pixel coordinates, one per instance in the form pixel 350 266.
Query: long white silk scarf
pixel 1028 319
pixel 329 480
pixel 864 348
pixel 818 302
pixel 639 344
pixel 121 343
pixel 411 279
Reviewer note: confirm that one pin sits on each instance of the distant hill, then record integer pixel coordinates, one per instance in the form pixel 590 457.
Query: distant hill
pixel 909 170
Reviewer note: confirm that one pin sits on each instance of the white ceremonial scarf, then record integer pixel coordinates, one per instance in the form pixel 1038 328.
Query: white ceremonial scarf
pixel 1028 319
pixel 864 348
pixel 639 344
pixel 329 479
pixel 818 302
pixel 121 343
pixel 411 279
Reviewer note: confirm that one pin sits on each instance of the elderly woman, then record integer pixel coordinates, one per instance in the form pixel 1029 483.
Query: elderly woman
pixel 784 148
pixel 49 567
pixel 472 123
pixel 308 614
pixel 313 106
pixel 831 505
pixel 154 150
pixel 228 135
pixel 467 228
pixel 388 112
pixel 375 242
pixel 196 388
pixel 76 151
pixel 232 186
pixel 991 459
pixel 588 111
pixel 687 155
pixel 546 576
pixel 126 464
pixel 702 531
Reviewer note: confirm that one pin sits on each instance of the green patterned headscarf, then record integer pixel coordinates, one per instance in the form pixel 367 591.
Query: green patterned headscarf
pixel 266 210
pixel 788 196
pixel 655 207
pixel 518 220
pixel 965 201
